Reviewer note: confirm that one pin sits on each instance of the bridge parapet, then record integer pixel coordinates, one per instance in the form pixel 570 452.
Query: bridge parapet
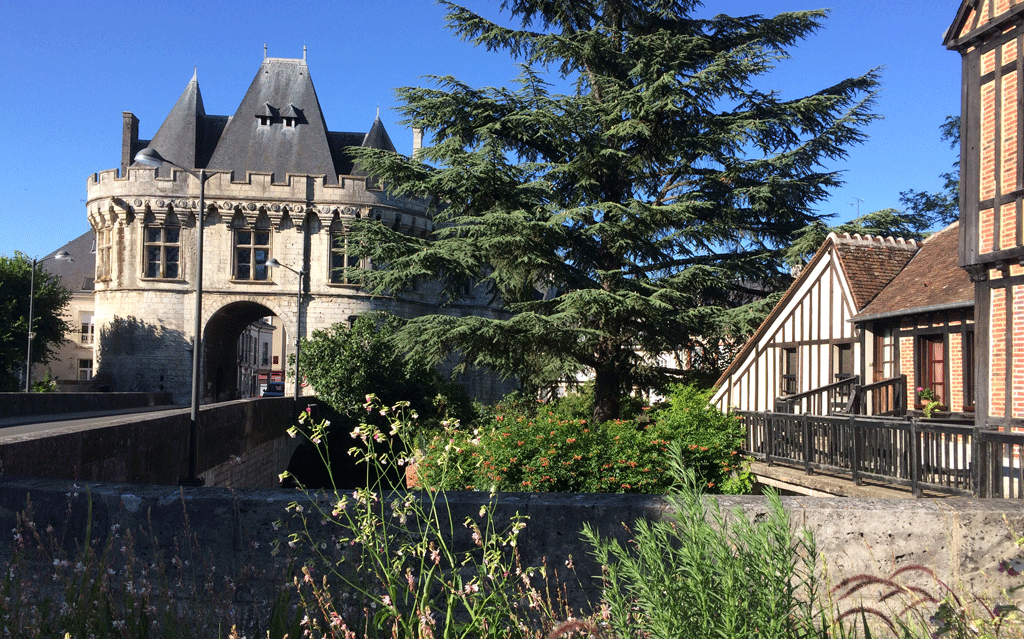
pixel 28 404
pixel 241 443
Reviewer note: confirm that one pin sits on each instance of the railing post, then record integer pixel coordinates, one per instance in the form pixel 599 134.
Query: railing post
pixel 901 397
pixel 996 455
pixel 808 443
pixel 979 487
pixel 769 442
pixel 858 440
pixel 915 459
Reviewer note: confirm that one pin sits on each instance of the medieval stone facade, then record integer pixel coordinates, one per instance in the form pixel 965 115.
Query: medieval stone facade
pixel 280 185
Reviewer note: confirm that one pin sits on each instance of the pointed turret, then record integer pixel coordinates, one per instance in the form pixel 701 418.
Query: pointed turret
pixel 180 137
pixel 377 137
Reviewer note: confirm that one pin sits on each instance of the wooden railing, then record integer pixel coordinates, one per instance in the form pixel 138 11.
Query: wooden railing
pixel 921 454
pixel 824 400
pixel 887 397
pixel 848 397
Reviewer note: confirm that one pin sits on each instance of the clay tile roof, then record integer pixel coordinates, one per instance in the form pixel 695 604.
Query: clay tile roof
pixel 871 262
pixel 931 279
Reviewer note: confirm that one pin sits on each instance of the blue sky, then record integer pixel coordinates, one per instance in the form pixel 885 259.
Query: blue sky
pixel 68 75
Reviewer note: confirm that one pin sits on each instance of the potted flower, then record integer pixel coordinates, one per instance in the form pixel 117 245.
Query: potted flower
pixel 926 397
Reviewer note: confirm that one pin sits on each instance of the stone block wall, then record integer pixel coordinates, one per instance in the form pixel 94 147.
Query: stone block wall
pixel 961 540
pixel 24 404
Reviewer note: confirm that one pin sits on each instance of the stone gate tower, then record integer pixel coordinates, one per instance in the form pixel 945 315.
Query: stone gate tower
pixel 282 187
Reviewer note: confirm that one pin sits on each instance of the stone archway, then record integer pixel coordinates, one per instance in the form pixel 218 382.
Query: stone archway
pixel 220 347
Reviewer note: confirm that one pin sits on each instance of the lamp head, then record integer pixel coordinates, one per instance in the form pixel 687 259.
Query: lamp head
pixel 274 263
pixel 150 157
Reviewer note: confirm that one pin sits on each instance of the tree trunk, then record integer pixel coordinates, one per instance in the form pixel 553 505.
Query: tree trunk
pixel 607 393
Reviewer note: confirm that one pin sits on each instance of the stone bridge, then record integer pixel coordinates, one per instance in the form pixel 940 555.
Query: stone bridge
pixel 241 443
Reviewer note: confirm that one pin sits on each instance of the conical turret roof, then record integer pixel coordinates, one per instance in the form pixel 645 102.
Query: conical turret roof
pixel 179 137
pixel 278 128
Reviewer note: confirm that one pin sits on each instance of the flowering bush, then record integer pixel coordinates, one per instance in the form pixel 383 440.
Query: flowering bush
pixel 554 449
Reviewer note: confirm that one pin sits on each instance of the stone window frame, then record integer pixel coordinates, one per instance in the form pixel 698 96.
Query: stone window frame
pixel 339 255
pixel 104 245
pixel 245 239
pixel 166 264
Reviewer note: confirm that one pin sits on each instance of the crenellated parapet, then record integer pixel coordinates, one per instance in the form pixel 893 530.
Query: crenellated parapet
pixel 114 199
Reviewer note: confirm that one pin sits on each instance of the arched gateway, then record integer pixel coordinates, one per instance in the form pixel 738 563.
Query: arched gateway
pixel 279 186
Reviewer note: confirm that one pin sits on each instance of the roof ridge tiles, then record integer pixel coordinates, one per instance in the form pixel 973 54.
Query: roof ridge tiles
pixel 874 239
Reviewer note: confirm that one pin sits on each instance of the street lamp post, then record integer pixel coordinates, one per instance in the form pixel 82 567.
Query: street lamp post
pixel 298 312
pixel 152 158
pixel 63 255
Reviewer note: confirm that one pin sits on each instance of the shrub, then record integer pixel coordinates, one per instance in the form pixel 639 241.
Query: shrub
pixel 555 449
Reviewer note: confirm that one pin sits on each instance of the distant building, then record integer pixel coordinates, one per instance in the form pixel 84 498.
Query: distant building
pixel 72 363
pixel 283 187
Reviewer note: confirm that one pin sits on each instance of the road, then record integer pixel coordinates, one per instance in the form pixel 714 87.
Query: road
pixel 33 425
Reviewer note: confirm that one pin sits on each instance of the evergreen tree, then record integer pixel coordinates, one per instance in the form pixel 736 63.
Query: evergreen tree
pixel 622 216
pixel 51 299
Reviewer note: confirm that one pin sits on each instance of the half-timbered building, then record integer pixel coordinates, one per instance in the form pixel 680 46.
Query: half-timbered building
pixel 809 340
pixel 989 35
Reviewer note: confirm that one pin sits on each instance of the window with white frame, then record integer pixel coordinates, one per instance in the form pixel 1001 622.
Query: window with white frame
pixel 87 329
pixel 163 249
pixel 84 370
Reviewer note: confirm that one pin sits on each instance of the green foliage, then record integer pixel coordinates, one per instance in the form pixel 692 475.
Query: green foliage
pixel 943 208
pixel 51 299
pixel 909 225
pixel 344 365
pixel 395 559
pixel 48 384
pixel 558 449
pixel 619 219
pixel 702 574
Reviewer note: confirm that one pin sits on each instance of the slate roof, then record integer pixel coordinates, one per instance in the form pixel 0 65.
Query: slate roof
pixel 931 280
pixel 871 262
pixel 77 276
pixel 278 128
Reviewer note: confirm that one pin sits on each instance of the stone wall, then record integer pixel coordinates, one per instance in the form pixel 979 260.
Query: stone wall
pixel 25 404
pixel 241 443
pixel 961 540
